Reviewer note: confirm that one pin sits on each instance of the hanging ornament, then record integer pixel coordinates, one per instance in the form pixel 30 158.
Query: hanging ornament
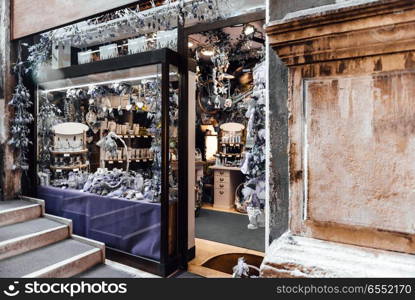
pixel 91 118
pixel 228 103
pixel 217 102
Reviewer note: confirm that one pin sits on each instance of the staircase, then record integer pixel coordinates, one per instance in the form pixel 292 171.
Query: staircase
pixel 37 245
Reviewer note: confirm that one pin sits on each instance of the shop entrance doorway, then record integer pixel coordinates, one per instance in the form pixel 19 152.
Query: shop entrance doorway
pixel 225 63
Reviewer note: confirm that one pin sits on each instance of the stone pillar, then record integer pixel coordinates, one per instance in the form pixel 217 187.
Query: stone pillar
pixel 278 121
pixel 351 140
pixel 9 180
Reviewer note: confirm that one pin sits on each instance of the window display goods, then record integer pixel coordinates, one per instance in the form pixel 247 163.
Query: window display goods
pixel 106 139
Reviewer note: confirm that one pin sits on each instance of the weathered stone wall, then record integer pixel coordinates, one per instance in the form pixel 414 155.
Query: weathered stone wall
pixel 2 136
pixel 349 82
pixel 350 134
pixel 278 93
pixel 279 8
pixel 9 180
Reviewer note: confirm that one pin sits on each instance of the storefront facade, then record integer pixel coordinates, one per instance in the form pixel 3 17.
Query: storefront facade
pixel 322 91
pixel 159 139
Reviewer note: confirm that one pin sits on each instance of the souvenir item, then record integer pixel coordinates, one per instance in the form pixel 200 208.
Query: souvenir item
pixel 137 45
pixel 108 51
pixel 85 57
pixel 140 104
pixel 91 118
pixel 228 103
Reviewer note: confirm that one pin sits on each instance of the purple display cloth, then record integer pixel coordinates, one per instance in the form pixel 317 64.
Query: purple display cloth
pixel 130 226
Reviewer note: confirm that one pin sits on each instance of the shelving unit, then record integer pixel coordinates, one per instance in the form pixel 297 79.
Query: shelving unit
pixel 69 133
pixel 231 145
pixel 73 167
pixel 130 118
pixel 69 153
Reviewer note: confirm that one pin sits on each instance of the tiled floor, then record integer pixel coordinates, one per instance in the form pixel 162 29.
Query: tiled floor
pixel 208 249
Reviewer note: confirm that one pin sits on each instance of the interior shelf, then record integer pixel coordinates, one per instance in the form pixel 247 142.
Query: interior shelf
pixel 73 167
pixel 69 152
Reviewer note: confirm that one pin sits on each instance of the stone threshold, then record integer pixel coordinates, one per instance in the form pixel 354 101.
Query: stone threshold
pixel 303 257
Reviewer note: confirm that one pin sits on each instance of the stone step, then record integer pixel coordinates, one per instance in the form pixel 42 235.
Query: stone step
pixel 25 236
pixel 63 259
pixel 105 271
pixel 302 257
pixel 19 211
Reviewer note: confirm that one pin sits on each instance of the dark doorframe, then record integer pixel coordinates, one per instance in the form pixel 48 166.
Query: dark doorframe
pixel 186 65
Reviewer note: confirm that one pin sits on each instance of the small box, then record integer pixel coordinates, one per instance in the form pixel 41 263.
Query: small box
pixel 123 129
pixel 118 129
pixel 137 129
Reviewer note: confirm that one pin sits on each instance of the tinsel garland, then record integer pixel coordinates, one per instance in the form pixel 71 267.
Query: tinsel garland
pixel 134 22
pixel 40 53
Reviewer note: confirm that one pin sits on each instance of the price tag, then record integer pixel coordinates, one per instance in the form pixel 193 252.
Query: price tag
pixel 144 160
pixel 66 155
pixel 76 170
pixel 110 162
pixel 120 161
pixel 58 171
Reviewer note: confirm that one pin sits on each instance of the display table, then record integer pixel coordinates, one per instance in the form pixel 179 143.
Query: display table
pixel 130 226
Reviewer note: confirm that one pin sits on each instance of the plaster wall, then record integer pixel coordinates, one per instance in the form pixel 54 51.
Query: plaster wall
pixel 360 141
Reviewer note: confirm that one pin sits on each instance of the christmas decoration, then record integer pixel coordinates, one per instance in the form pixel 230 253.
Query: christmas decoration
pixel 20 131
pixel 48 117
pixel 154 115
pixel 126 22
pixel 254 163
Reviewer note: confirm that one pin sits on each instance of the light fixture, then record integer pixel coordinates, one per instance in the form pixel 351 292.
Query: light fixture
pixel 249 29
pixel 118 81
pixel 190 44
pixel 208 52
